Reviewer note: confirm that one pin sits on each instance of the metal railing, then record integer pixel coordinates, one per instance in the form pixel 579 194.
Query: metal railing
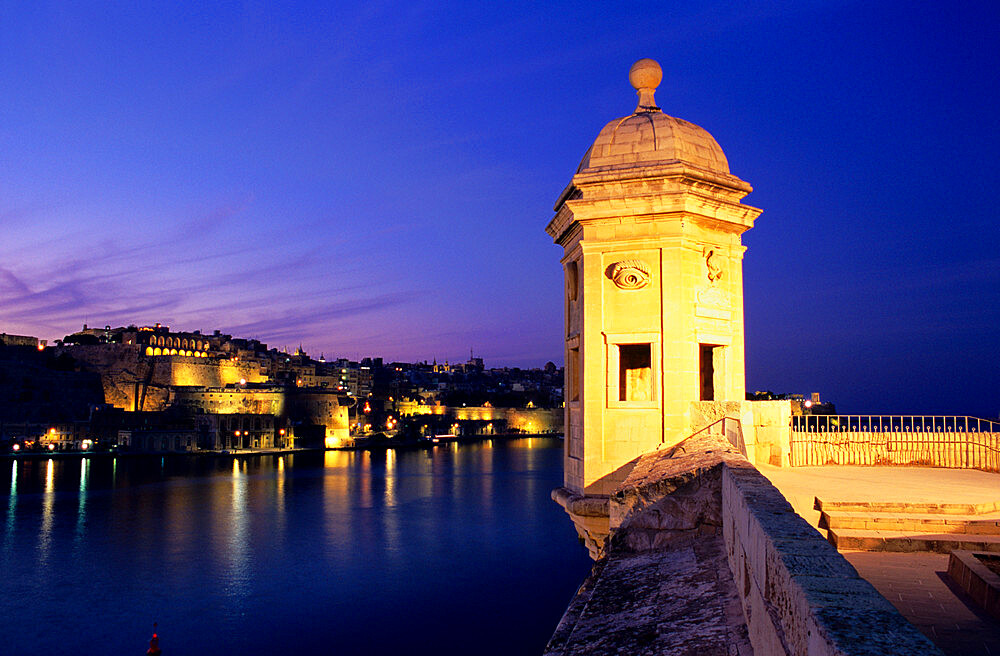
pixel 728 426
pixel 940 441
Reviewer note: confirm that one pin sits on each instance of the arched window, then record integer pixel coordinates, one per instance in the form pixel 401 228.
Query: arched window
pixel 157 351
pixel 149 350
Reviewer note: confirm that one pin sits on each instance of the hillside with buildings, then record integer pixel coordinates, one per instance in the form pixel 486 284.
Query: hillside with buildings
pixel 153 389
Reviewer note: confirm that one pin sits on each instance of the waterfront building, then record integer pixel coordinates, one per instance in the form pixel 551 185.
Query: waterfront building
pixel 21 340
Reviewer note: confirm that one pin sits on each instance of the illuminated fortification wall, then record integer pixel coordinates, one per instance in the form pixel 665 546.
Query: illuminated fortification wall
pixel 227 401
pixel 210 373
pixel 523 420
pixel 306 406
pixel 134 381
pixel 321 407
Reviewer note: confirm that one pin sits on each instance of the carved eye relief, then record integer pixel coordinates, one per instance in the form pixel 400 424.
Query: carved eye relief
pixel 630 274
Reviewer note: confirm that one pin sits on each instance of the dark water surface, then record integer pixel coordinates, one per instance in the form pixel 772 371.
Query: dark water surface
pixel 450 550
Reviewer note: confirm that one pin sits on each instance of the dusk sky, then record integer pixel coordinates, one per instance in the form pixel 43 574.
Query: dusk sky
pixel 375 178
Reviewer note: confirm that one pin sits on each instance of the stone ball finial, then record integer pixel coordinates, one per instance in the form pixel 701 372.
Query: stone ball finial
pixel 645 75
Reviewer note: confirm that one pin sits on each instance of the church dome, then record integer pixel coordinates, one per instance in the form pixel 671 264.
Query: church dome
pixel 648 136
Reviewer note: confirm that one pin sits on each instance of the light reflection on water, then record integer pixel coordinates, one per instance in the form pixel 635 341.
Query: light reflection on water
pixel 81 510
pixel 237 568
pixel 8 535
pixel 289 553
pixel 279 495
pixel 48 503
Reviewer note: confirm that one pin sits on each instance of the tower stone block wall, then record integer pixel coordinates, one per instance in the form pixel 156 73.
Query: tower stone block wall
pixel 650 227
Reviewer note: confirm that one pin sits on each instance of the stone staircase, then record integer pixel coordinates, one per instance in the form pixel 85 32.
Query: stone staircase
pixel 934 527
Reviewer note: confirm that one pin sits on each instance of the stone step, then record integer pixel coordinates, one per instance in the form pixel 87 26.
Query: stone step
pixel 987 524
pixel 846 539
pixel 908 507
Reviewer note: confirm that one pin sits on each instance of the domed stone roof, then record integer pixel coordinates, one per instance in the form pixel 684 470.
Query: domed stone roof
pixel 648 136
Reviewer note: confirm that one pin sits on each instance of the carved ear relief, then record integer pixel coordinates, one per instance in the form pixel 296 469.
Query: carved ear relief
pixel 630 274
pixel 712 264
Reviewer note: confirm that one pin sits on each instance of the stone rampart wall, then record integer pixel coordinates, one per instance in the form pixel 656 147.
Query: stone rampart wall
pixel 224 401
pixel 525 420
pixel 301 405
pixel 133 381
pixel 797 593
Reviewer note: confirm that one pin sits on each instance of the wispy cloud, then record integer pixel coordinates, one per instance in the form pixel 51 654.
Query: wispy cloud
pixel 206 268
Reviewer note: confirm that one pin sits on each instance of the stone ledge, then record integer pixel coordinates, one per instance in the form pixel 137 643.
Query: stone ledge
pixel 579 504
pixel 967 570
pixel 589 515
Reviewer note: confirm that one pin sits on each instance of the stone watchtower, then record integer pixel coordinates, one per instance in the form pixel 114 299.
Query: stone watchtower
pixel 650 225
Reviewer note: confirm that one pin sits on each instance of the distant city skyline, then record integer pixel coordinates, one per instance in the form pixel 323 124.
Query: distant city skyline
pixel 376 180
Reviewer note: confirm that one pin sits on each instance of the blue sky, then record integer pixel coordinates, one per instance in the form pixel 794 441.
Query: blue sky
pixel 375 179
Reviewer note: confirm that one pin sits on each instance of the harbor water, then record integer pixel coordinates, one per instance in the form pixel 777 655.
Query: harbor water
pixel 453 549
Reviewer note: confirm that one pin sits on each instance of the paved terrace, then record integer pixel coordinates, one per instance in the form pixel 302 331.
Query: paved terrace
pixel 917 584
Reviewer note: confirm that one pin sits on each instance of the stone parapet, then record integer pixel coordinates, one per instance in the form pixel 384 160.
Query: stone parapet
pixel 696 530
pixel 970 571
pixel 799 595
